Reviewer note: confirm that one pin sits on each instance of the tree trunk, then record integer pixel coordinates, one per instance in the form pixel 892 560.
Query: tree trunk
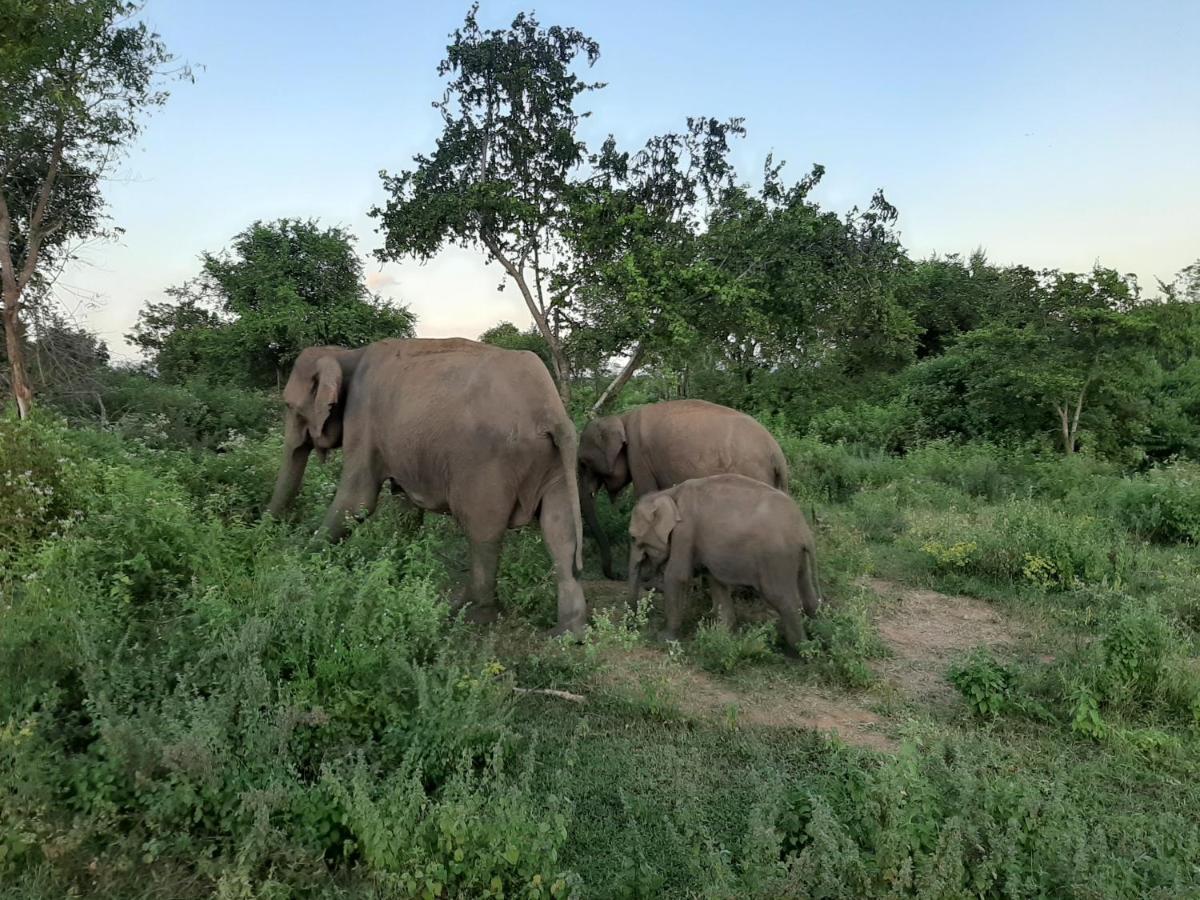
pixel 16 355
pixel 562 368
pixel 622 379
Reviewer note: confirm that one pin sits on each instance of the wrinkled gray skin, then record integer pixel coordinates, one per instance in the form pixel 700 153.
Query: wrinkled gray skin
pixel 456 426
pixel 664 444
pixel 738 530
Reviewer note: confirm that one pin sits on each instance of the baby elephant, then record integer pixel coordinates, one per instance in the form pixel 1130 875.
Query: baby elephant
pixel 742 532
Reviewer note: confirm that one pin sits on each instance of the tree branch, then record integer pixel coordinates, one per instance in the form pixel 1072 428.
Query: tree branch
pixel 36 234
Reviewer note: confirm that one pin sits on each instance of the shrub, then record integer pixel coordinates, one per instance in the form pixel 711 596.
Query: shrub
pixel 44 483
pixel 1163 505
pixel 829 472
pixel 986 685
pixel 890 428
pixel 719 650
pixel 481 836
pixel 1029 543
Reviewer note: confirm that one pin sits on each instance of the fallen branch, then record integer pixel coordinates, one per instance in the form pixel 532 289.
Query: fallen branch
pixel 549 692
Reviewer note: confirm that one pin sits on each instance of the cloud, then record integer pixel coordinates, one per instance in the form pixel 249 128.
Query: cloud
pixel 378 280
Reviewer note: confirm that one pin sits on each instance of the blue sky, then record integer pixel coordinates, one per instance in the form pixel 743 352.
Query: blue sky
pixel 1053 134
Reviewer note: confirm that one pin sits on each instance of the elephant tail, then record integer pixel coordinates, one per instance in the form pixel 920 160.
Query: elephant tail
pixel 780 466
pixel 810 586
pixel 567 442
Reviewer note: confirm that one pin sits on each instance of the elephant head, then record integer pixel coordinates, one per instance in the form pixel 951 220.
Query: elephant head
pixel 650 527
pixel 603 462
pixel 315 396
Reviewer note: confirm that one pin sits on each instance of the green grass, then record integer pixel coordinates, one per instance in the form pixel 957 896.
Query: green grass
pixel 194 704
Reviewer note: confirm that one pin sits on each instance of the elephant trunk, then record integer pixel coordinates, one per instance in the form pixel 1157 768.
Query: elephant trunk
pixel 635 575
pixel 291 476
pixel 587 501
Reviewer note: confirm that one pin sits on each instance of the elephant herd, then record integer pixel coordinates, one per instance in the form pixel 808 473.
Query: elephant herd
pixel 479 432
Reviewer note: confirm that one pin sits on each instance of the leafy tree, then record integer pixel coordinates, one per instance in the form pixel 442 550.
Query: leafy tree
pixel 508 336
pixel 640 285
pixel 76 77
pixel 503 162
pixel 281 287
pixel 1075 346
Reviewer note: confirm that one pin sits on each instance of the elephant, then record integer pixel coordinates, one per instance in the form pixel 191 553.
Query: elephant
pixel 663 444
pixel 457 427
pixel 742 532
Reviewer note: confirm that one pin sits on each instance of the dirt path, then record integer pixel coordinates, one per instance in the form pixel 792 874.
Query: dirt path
pixel 923 630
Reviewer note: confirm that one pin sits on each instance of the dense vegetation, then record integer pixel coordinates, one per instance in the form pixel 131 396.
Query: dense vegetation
pixel 197 702
pixel 193 702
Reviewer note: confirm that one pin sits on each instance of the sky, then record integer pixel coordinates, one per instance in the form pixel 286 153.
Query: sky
pixel 1059 134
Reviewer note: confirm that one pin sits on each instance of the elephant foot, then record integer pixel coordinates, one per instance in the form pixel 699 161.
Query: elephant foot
pixel 577 632
pixel 485 614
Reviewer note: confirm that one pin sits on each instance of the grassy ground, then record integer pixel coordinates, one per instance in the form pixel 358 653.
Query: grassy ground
pixel 1002 697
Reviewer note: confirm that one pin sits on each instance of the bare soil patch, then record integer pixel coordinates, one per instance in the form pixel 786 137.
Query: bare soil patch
pixel 923 629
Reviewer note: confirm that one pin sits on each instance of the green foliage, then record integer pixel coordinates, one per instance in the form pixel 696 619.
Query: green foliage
pixel 719 650
pixel 847 640
pixel 481 836
pixel 508 336
pixel 39 496
pixel 986 684
pixel 1163 505
pixel 281 287
pixel 944 821
pixel 1025 542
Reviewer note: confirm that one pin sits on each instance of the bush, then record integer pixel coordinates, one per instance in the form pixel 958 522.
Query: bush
pixel 948 821
pixel 890 428
pixel 480 836
pixel 832 473
pixel 196 414
pixel 986 685
pixel 1033 544
pixel 719 650
pixel 1163 505
pixel 45 483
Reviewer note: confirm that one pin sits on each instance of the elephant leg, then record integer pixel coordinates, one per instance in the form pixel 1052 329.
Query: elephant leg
pixel 675 591
pixel 480 596
pixel 357 494
pixel 558 531
pixel 722 598
pixel 785 600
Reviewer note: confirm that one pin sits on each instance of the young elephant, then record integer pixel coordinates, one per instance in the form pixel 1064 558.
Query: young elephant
pixel 742 532
pixel 664 444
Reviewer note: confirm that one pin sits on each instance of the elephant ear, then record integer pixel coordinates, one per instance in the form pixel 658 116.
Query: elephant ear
pixel 612 432
pixel 327 389
pixel 663 517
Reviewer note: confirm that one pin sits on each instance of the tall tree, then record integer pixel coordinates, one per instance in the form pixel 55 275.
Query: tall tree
pixel 638 281
pixel 507 151
pixel 282 286
pixel 76 77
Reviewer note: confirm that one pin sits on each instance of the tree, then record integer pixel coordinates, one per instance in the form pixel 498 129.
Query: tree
pixel 282 286
pixel 1076 345
pixel 638 282
pixel 76 77
pixel 503 162
pixel 508 336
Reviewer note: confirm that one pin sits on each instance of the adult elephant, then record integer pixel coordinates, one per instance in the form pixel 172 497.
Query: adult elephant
pixel 459 427
pixel 664 444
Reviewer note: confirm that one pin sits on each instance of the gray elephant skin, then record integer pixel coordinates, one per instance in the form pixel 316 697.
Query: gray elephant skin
pixel 664 444
pixel 742 532
pixel 459 427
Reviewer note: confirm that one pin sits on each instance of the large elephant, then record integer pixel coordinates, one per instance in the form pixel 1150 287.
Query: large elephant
pixel 457 426
pixel 663 444
pixel 738 530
